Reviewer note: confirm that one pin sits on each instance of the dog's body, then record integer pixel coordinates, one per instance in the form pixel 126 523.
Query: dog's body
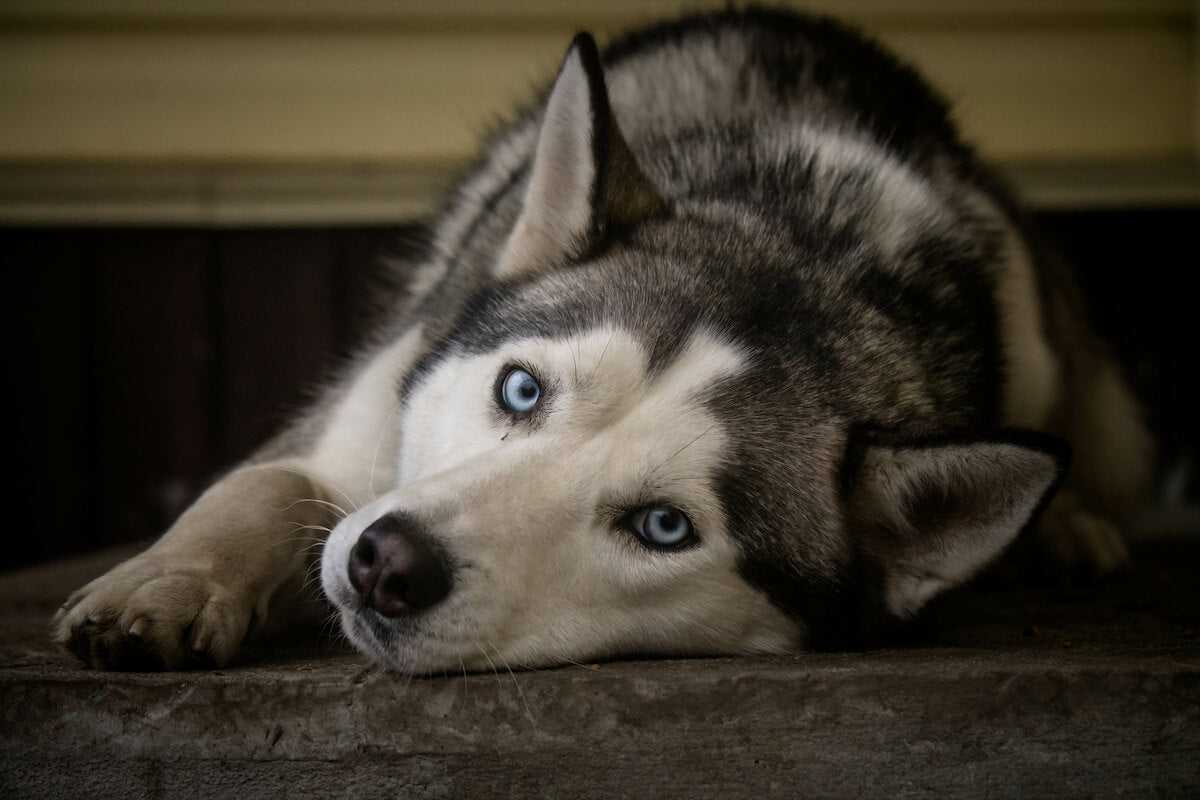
pixel 729 347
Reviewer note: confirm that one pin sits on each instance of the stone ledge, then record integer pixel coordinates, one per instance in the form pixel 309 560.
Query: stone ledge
pixel 1002 692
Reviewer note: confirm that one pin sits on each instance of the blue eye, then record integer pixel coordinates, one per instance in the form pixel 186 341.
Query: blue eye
pixel 520 391
pixel 662 526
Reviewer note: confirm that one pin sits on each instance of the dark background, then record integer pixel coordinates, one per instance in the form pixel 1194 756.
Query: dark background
pixel 139 363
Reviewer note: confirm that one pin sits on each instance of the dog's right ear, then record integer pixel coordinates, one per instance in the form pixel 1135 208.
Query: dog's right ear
pixel 583 181
pixel 929 515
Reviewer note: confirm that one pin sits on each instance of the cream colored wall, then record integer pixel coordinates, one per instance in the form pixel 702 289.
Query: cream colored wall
pixel 292 110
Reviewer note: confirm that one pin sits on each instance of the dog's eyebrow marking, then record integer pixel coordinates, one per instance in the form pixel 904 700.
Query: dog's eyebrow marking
pixel 705 360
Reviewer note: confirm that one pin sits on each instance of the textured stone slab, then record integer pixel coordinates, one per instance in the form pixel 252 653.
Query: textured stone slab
pixel 1007 693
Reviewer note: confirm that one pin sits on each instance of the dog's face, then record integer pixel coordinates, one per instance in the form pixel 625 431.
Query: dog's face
pixel 569 494
pixel 650 443
pixel 649 485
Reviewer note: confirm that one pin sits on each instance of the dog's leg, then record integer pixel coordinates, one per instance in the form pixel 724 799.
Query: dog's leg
pixel 1085 528
pixel 238 559
pixel 1084 531
pixel 225 566
pixel 1063 380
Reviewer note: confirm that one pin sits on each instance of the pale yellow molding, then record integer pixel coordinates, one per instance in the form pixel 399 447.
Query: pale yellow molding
pixel 304 196
pixel 400 98
pixel 144 194
pixel 249 110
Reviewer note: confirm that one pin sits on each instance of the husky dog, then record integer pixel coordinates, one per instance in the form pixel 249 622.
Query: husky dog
pixel 727 347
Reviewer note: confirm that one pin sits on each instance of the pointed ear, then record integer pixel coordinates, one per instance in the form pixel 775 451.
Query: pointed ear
pixel 583 181
pixel 931 515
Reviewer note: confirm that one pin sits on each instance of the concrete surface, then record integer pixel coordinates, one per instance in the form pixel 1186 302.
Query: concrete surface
pixel 1002 692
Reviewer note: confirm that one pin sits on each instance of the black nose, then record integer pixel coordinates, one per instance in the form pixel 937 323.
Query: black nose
pixel 396 567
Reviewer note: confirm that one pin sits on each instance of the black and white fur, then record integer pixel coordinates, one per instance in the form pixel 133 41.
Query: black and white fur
pixel 764 293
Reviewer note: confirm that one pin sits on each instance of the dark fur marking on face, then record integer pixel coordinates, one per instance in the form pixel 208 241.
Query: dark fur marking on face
pixel 841 612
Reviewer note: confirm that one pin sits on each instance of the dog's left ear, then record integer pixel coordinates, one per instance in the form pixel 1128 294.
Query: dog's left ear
pixel 931 515
pixel 584 181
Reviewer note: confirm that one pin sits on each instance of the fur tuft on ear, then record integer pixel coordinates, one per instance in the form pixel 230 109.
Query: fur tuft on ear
pixel 932 514
pixel 583 181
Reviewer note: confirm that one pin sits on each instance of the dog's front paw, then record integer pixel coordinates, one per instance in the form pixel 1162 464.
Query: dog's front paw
pixel 145 616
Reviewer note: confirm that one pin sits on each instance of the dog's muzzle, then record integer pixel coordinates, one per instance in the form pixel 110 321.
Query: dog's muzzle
pixel 396 567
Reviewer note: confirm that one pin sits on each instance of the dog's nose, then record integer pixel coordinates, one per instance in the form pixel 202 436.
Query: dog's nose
pixel 396 568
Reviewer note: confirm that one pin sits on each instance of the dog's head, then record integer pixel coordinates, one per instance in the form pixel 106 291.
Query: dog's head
pixel 620 450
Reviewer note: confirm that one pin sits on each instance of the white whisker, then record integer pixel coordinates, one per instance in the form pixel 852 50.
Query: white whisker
pixel 669 458
pixel 379 444
pixel 579 664
pixel 603 352
pixel 343 512
pixel 520 692
pixel 323 483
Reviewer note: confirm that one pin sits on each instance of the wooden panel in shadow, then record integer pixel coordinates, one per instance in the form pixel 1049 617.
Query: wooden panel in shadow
pixel 44 285
pixel 151 378
pixel 275 318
